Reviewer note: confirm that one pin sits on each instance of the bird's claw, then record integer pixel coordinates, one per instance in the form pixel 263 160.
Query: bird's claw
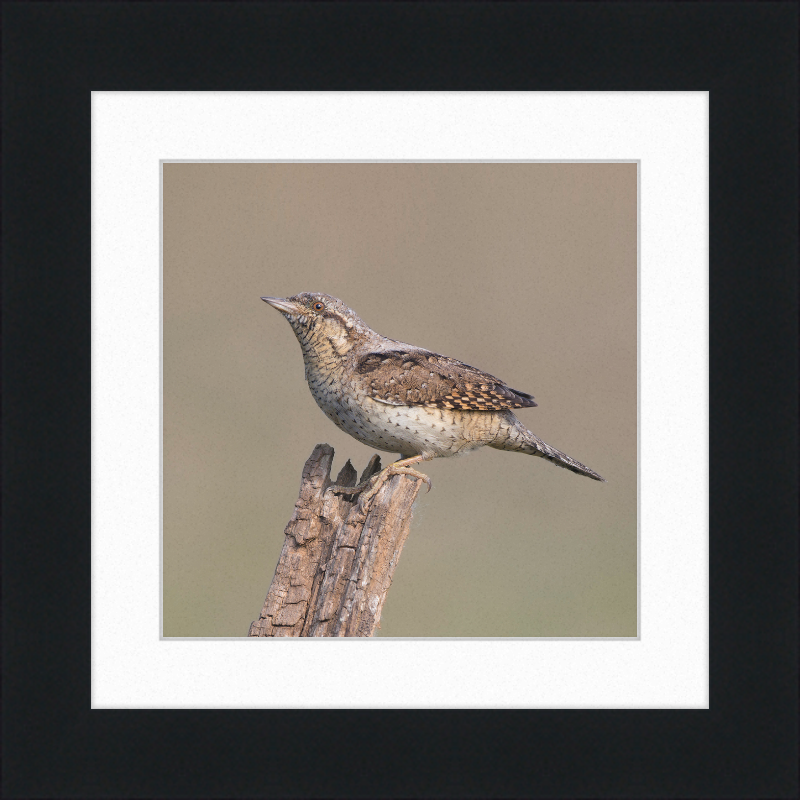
pixel 409 471
pixel 376 480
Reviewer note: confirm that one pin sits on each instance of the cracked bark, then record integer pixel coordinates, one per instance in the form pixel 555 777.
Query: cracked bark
pixel 339 553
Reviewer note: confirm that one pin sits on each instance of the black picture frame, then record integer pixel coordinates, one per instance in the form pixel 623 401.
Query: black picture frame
pixel 744 54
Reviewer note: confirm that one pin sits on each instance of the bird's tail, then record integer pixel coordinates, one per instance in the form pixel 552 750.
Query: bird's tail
pixel 517 438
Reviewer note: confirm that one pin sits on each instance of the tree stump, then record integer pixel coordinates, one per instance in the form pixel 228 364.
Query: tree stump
pixel 339 553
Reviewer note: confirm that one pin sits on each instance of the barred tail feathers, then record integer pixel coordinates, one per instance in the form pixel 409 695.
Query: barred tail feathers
pixel 517 438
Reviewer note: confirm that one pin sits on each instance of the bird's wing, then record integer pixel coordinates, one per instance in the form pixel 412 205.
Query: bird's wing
pixel 416 377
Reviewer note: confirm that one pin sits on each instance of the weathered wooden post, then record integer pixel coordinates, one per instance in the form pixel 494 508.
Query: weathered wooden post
pixel 339 553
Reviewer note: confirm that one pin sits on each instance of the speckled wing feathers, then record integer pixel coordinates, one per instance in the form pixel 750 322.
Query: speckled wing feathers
pixel 415 377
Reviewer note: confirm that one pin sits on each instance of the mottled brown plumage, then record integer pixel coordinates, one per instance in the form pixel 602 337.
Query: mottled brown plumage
pixel 416 377
pixel 400 398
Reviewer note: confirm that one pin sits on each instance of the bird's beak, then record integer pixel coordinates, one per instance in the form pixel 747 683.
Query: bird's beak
pixel 284 306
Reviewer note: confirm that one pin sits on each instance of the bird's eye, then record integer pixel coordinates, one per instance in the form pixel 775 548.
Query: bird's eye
pixel 319 306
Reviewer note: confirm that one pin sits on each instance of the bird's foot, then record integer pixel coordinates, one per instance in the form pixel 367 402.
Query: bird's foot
pixel 375 481
pixel 395 470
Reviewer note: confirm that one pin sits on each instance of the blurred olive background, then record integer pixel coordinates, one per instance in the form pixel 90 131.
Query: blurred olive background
pixel 527 271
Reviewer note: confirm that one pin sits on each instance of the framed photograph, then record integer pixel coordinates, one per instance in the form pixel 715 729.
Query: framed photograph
pixel 543 192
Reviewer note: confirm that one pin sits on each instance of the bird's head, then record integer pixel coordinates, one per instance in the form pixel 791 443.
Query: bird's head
pixel 320 321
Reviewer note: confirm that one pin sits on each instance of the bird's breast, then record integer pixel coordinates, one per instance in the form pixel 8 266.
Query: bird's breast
pixel 409 430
